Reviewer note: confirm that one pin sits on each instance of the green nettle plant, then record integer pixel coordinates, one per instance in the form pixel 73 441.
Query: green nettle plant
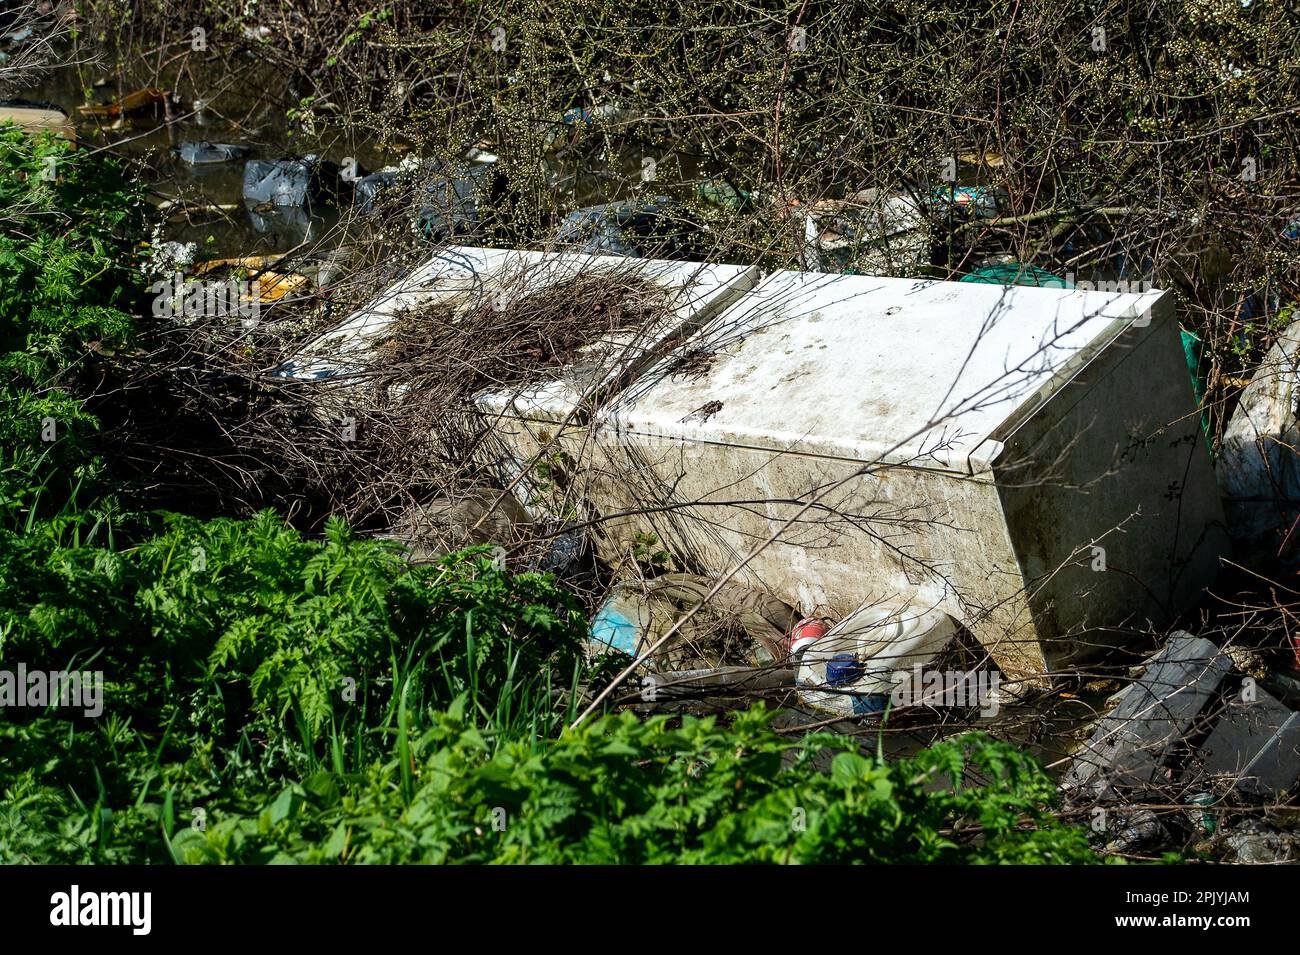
pixel 69 227
pixel 626 790
pixel 236 655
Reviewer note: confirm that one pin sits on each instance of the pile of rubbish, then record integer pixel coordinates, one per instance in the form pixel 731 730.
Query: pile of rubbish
pixel 810 485
pixel 1191 731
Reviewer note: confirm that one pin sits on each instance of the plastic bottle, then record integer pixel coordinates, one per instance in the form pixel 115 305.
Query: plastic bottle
pixel 850 669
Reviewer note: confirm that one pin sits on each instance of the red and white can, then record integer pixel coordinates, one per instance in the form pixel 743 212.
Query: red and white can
pixel 807 631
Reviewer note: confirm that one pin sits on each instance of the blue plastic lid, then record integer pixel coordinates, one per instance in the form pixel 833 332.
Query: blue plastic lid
pixel 843 668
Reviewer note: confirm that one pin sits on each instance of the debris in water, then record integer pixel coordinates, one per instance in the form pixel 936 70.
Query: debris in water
pixel 292 183
pixel 130 103
pixel 36 116
pixel 631 228
pixel 205 153
pixel 269 285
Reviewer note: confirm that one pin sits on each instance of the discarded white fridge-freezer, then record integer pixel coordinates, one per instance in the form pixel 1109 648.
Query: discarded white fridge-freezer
pixel 1028 460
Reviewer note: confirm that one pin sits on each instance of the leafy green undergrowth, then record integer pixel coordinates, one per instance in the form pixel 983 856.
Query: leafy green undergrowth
pixel 70 224
pixel 626 791
pixel 270 699
pixel 251 608
pixel 236 655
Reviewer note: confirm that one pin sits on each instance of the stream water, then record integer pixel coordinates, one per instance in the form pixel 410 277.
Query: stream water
pixel 247 110
pixel 250 108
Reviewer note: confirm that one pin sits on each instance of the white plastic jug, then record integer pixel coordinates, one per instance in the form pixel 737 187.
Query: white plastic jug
pixel 851 669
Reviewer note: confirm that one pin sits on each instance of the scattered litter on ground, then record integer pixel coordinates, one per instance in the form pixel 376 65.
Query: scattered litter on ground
pixel 1285 686
pixel 442 200
pixel 477 154
pixel 562 551
pixel 855 667
pixel 1130 745
pixel 1254 843
pixel 993 160
pixel 1135 829
pixel 291 226
pixel 563 133
pixel 737 627
pixel 1255 747
pixel 1189 731
pixel 370 189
